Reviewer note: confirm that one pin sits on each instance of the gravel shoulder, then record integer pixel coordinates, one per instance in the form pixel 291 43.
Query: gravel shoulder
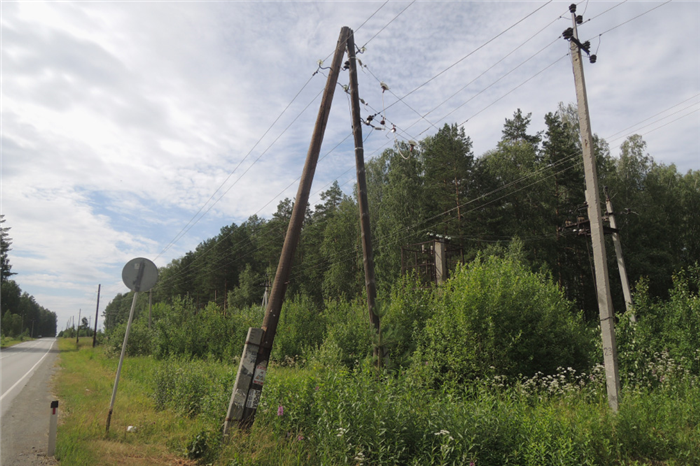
pixel 25 425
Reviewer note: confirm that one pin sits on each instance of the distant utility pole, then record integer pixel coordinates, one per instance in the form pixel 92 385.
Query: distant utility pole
pixel 246 392
pixel 77 334
pixel 618 253
pixel 97 309
pixel 607 322
pixel 367 257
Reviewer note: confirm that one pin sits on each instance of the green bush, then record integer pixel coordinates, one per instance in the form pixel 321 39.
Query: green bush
pixel 668 328
pixel 349 336
pixel 301 327
pixel 495 316
pixel 141 339
pixel 404 318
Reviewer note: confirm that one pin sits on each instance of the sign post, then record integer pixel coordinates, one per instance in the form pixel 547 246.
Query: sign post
pixel 138 275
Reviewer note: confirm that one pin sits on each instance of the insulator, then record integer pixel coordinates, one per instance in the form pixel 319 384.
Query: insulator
pixel 593 58
pixel 568 33
pixel 579 19
pixel 586 45
pixel 572 8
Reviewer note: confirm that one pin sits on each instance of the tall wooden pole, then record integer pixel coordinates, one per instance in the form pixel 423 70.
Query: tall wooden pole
pixel 97 309
pixel 77 334
pixel 367 256
pixel 618 254
pixel 605 309
pixel 279 286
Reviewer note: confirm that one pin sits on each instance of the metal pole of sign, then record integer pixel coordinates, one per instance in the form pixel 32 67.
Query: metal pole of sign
pixel 144 280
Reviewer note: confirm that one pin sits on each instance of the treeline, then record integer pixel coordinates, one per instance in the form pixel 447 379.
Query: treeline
pixel 21 314
pixel 528 187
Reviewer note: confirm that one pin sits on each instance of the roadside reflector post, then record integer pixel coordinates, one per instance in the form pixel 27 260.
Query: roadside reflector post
pixel 242 394
pixel 53 423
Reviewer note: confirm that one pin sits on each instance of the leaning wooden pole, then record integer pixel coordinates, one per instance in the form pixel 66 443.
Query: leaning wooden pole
pixel 367 257
pixel 279 286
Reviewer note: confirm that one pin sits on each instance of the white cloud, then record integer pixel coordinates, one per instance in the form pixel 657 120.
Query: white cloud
pixel 119 120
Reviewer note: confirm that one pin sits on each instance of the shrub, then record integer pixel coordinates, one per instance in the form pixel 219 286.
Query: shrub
pixel 349 335
pixel 667 328
pixel 301 326
pixel 495 316
pixel 141 339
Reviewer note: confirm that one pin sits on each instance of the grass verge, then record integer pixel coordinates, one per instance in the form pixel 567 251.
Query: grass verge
pixel 330 417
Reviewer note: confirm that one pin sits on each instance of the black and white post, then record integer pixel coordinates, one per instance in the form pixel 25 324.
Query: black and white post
pixel 53 423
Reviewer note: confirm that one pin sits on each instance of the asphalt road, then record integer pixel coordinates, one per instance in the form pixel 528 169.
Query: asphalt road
pixel 25 398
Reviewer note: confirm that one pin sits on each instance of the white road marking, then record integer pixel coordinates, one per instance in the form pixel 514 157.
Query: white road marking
pixel 28 372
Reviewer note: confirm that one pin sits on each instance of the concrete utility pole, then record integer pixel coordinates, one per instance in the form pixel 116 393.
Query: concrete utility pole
pixel 607 318
pixel 618 253
pixel 97 309
pixel 246 404
pixel 367 257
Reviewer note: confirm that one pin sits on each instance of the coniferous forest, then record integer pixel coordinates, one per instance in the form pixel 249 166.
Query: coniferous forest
pixel 22 316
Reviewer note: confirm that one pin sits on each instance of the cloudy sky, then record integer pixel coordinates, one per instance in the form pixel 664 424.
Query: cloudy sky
pixel 124 120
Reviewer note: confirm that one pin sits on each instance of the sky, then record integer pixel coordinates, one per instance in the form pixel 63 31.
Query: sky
pixel 124 121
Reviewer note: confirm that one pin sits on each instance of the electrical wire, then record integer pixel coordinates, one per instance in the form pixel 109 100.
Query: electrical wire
pixel 632 19
pixel 662 126
pixel 180 234
pixel 471 53
pixel 387 24
pixel 515 88
pixel 655 121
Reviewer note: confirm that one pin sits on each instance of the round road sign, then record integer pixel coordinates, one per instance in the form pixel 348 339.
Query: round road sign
pixel 140 274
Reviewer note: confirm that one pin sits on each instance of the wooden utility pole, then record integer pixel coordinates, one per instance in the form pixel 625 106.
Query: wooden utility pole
pixel 77 334
pixel 367 257
pixel 607 318
pixel 97 309
pixel 618 253
pixel 250 396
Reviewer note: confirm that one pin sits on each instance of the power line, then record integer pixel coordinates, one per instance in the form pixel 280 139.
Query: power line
pixel 662 126
pixel 387 24
pixel 658 120
pixel 632 19
pixel 190 223
pixel 516 87
pixel 471 53
pixel 656 114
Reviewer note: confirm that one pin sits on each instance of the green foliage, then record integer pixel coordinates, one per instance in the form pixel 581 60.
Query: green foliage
pixel 193 388
pixel 181 330
pixel 5 243
pixel 301 327
pixel 497 317
pixel 404 318
pixel 11 325
pixel 349 336
pixel 356 417
pixel 666 332
pixel 141 339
